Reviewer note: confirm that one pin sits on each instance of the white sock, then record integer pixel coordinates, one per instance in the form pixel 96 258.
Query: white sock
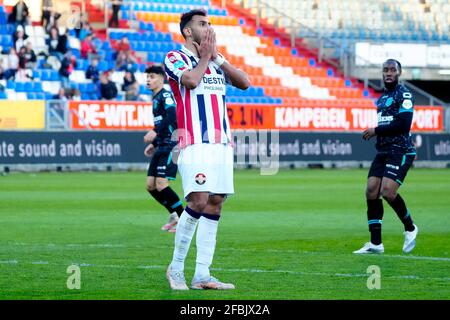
pixel 183 236
pixel 206 244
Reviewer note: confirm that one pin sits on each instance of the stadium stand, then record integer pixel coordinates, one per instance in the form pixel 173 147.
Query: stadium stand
pixel 279 74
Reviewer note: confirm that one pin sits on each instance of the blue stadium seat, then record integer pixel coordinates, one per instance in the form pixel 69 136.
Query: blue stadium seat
pixel 93 96
pixel 54 75
pixel 40 96
pixel 103 66
pixel 91 87
pixel 133 36
pixel 3 18
pixel 31 96
pixel 82 87
pixel 3 95
pixel 114 35
pixel 10 84
pixel 20 87
pixel 28 87
pixel 106 45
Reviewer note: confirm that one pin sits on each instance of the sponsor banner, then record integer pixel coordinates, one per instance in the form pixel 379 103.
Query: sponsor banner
pixel 71 147
pixel 324 118
pixel 101 147
pixel 110 115
pixel 409 54
pixel 317 147
pixel 100 115
pixel 24 115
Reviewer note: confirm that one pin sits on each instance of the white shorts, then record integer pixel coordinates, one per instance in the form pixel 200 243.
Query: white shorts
pixel 207 168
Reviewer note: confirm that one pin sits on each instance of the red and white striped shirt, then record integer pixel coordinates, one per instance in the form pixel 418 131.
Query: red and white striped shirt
pixel 201 112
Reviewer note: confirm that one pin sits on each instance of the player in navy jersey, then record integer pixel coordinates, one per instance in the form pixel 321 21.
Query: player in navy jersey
pixel 160 147
pixel 395 155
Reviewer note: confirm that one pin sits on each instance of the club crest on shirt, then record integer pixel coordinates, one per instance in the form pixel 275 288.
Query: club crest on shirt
pixel 200 179
pixel 389 102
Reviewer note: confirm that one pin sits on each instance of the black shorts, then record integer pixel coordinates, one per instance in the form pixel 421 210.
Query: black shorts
pixel 162 166
pixel 393 166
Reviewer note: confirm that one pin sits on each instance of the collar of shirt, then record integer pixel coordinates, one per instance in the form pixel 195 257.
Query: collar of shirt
pixel 189 52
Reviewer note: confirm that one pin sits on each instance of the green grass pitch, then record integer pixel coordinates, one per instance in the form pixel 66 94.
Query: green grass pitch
pixel 287 236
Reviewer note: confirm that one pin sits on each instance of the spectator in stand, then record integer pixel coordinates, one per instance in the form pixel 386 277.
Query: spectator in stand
pixel 52 21
pixel 25 66
pixel 3 69
pixel 92 71
pixel 84 31
pixel 88 49
pixel 68 64
pixel 123 46
pixel 27 57
pixel 130 86
pixel 63 42
pixel 125 61
pixel 108 89
pixel 75 95
pixel 54 44
pixel 19 14
pixel 12 64
pixel 61 95
pixel 19 38
pixel 47 7
pixel 114 21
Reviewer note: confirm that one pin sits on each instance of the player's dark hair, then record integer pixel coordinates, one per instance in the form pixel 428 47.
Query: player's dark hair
pixel 395 61
pixel 155 69
pixel 187 17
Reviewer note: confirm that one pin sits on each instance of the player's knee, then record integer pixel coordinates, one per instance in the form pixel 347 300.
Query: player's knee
pixel 161 184
pixel 388 194
pixel 197 206
pixel 150 187
pixel 371 192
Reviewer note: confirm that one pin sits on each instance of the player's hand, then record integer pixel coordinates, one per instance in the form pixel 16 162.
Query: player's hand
pixel 149 150
pixel 369 133
pixel 150 136
pixel 206 47
pixel 215 52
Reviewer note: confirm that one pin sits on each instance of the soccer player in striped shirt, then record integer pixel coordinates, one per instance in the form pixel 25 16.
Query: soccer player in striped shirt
pixel 198 76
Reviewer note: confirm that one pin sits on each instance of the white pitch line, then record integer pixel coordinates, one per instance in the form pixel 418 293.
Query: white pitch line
pixel 110 245
pixel 9 262
pixel 244 270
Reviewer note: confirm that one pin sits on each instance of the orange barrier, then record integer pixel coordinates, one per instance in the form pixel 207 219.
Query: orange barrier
pixel 323 118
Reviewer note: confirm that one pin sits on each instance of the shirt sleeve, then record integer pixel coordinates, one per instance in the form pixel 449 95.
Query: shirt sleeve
pixel 175 65
pixel 405 102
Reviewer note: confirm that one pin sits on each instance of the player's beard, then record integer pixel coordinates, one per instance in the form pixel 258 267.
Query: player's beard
pixel 196 37
pixel 391 85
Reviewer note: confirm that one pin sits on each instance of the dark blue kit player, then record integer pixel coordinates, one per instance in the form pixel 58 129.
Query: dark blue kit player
pixel 395 155
pixel 160 147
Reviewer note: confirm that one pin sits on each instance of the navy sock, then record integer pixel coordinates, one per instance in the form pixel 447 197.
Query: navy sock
pixel 193 213
pixel 375 212
pixel 211 216
pixel 402 212
pixel 173 201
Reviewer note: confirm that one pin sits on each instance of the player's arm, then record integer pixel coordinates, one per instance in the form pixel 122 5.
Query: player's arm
pixel 238 78
pixel 149 136
pixel 400 125
pixel 191 79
